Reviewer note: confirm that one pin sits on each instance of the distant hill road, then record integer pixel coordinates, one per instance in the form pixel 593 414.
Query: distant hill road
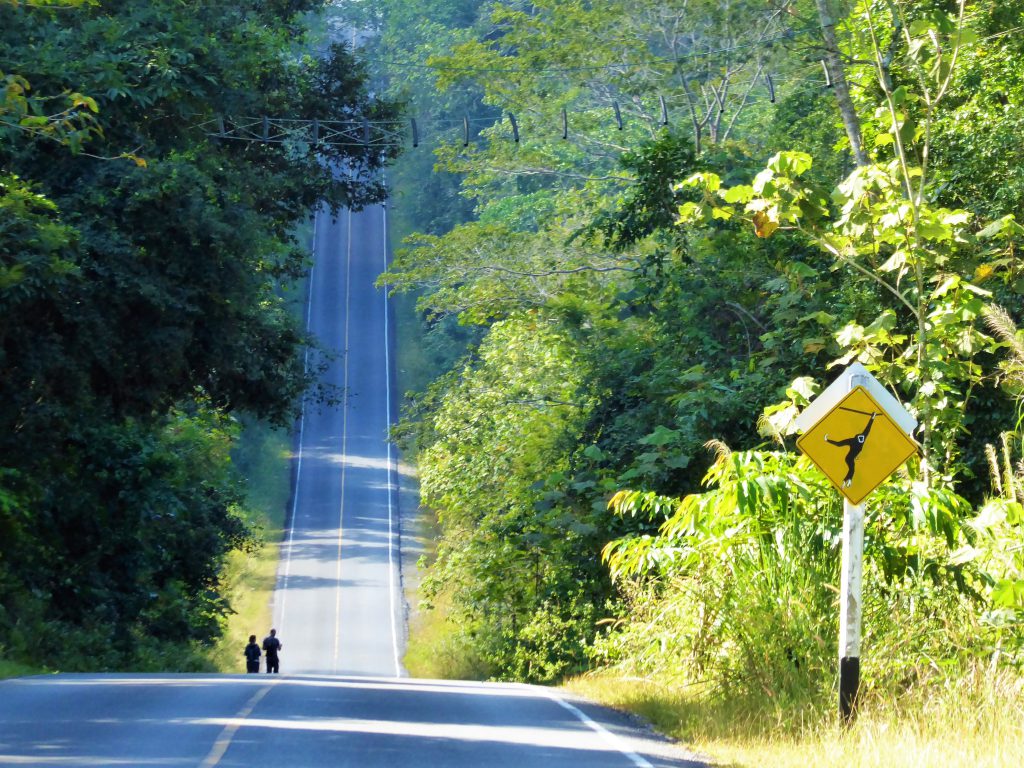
pixel 337 606
pixel 342 698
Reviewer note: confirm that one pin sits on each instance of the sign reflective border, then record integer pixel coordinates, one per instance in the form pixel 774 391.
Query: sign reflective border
pixel 857 445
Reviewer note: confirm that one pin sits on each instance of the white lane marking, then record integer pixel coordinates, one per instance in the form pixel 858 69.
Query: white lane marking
pixel 302 433
pixel 607 736
pixel 220 746
pixel 391 467
pixel 79 761
pixel 344 439
pixel 468 733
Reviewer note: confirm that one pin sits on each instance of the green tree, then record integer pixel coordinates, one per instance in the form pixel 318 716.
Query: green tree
pixel 142 265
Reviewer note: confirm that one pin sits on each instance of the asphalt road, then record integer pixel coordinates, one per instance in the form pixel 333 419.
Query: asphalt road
pixel 342 698
pixel 296 721
pixel 337 607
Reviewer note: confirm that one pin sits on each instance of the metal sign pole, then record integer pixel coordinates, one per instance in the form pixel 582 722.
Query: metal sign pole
pixel 850 608
pixel 858 434
pixel 850 585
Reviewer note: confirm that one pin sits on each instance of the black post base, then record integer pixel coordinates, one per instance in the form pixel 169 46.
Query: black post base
pixel 849 682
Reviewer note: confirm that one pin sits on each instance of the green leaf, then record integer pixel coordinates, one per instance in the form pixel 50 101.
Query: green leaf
pixel 661 436
pixel 821 317
pixel 692 212
pixel 738 194
pixel 1008 593
pixel 790 163
pixel 850 334
pixel 932 229
pixel 707 181
pixel 897 261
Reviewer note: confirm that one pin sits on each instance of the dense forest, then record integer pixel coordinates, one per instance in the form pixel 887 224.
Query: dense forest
pixel 643 236
pixel 143 263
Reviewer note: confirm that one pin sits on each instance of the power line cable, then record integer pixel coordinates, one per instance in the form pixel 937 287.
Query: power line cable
pixel 787 35
pixel 390 133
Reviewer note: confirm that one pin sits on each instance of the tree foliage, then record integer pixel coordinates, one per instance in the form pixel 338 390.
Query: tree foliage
pixel 707 289
pixel 142 266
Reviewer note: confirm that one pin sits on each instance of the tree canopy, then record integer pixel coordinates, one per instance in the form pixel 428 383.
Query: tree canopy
pixel 705 227
pixel 144 266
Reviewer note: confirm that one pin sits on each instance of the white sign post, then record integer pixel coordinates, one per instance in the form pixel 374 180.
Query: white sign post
pixel 850 608
pixel 850 603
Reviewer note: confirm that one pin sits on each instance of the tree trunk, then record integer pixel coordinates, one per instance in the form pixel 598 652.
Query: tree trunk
pixel 835 70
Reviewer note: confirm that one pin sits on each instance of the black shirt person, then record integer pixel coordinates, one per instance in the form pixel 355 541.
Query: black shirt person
pixel 252 655
pixel 272 645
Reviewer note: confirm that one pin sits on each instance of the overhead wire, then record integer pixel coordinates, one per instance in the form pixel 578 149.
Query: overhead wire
pixel 320 131
pixel 770 84
pixel 787 35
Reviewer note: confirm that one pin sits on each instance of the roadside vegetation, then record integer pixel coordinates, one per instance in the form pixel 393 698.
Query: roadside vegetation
pixel 262 457
pixel 712 208
pixel 141 316
pixel 974 721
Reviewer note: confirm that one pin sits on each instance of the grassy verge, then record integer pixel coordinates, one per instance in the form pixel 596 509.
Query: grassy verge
pixel 437 651
pixel 14 669
pixel 977 721
pixel 263 457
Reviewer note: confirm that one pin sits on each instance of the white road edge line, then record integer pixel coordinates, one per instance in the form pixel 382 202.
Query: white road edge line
pixel 392 474
pixel 302 431
pixel 609 738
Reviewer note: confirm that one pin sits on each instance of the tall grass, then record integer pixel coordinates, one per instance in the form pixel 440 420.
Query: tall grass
pixel 263 457
pixel 439 649
pixel 975 720
pixel 14 669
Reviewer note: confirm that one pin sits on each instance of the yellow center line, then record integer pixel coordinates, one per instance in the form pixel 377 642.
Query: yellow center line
pixel 220 746
pixel 344 439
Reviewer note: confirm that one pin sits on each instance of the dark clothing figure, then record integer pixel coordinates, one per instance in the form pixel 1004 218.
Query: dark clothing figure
pixel 854 446
pixel 252 655
pixel 272 645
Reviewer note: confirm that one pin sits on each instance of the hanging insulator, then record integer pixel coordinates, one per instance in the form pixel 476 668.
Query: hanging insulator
pixel 415 133
pixel 266 128
pixel 515 127
pixel 828 76
pixel 316 131
pixel 366 132
pixel 771 88
pixel 220 126
pixel 618 115
pixel 565 124
pixel 465 131
pixel 664 110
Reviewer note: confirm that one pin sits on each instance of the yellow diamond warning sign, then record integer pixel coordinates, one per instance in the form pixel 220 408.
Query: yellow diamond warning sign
pixel 857 445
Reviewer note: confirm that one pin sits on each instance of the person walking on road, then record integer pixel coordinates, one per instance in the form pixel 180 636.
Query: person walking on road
pixel 252 655
pixel 272 645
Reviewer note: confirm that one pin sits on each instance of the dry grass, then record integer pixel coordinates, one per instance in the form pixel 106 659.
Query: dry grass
pixel 250 578
pixel 977 721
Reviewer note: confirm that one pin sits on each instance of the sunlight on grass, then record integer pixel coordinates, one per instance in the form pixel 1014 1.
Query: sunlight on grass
pixel 978 722
pixel 264 457
pixel 436 650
